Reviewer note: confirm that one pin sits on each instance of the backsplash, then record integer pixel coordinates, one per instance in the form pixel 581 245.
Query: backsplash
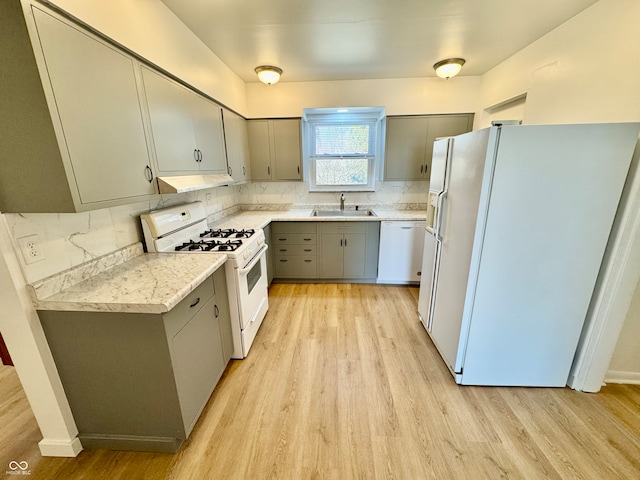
pixel 400 195
pixel 71 239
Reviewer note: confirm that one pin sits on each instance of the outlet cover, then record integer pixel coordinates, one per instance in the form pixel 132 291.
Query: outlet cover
pixel 30 248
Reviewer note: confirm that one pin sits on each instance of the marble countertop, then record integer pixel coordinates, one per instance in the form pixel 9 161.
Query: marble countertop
pixel 261 218
pixel 136 282
pixel 147 283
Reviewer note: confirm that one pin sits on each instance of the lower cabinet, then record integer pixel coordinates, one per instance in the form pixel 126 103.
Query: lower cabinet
pixel 349 250
pixel 138 381
pixel 340 251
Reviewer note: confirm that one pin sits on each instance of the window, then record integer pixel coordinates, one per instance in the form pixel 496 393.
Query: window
pixel 342 149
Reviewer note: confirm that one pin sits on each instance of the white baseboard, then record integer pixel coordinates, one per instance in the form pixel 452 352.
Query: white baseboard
pixel 60 448
pixel 617 376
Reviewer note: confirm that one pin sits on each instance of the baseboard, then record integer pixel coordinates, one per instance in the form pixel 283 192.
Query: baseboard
pixel 131 442
pixel 60 448
pixel 617 376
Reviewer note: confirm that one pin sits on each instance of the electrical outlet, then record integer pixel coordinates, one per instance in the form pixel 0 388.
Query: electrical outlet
pixel 30 248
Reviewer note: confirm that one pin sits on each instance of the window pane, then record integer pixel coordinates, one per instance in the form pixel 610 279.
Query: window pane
pixel 340 139
pixel 341 171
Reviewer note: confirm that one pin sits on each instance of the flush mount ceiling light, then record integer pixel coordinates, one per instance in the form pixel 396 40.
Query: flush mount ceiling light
pixel 448 68
pixel 268 74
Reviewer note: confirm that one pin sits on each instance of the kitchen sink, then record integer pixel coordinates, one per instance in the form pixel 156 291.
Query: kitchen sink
pixel 343 213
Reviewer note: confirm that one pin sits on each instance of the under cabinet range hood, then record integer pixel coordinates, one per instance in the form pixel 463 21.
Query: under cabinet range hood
pixel 190 183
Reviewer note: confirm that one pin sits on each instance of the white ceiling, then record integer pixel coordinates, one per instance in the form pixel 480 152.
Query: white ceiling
pixel 357 39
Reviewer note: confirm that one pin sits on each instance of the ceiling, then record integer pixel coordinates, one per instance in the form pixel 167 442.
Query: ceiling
pixel 315 40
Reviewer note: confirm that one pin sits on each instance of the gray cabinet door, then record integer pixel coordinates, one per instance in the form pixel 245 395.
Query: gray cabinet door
pixel 207 125
pixel 332 255
pixel 259 149
pixel 171 123
pixel 97 103
pixel 406 148
pixel 196 354
pixel 237 146
pixel 444 126
pixel 354 251
pixel 287 151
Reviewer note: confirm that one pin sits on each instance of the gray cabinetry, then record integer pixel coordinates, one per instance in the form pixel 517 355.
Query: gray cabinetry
pixel 409 144
pixel 349 249
pixel 139 381
pixel 275 149
pixel 294 246
pixel 236 139
pixel 186 127
pixel 74 136
pixel 325 250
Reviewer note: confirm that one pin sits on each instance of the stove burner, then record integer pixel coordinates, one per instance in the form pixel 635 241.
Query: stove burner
pixel 210 245
pixel 228 233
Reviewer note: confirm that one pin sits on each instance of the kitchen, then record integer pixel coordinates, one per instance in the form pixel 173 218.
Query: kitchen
pixel 552 71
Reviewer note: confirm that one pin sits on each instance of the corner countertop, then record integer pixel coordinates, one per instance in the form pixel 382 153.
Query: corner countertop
pixel 261 218
pixel 146 283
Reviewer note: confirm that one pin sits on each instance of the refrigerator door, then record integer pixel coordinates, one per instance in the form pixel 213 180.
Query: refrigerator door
pixel 553 199
pixel 459 209
pixel 439 163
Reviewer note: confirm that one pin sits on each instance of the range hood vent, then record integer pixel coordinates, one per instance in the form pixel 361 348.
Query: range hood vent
pixel 190 183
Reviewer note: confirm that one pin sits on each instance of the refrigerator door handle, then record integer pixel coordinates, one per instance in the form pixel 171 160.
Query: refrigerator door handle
pixel 441 202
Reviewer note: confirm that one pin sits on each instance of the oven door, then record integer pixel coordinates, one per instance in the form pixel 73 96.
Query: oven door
pixel 252 287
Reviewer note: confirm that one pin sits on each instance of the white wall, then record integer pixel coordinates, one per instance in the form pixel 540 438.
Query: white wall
pixel 566 80
pixel 151 30
pixel 399 96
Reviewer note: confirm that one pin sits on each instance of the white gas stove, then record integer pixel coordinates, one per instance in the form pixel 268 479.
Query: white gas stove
pixel 184 229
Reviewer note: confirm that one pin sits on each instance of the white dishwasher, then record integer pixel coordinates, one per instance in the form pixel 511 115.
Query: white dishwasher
pixel 401 245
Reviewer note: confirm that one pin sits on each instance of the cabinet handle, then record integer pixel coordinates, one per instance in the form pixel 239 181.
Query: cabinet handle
pixel 307 249
pixel 244 171
pixel 268 170
pixel 216 310
pixel 345 242
pixel 426 167
pixel 298 169
pixel 283 249
pixel 195 303
pixel 283 260
pixel 282 239
pixel 195 154
pixel 340 242
pixel 308 261
pixel 307 239
pixel 149 173
pixel 421 168
pixel 200 155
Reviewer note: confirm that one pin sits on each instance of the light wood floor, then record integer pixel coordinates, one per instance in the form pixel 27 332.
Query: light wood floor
pixel 344 383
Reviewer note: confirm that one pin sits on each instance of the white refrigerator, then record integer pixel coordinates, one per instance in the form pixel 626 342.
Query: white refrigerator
pixel 518 222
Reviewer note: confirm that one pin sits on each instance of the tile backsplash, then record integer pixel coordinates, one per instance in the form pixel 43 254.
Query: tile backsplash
pixel 71 239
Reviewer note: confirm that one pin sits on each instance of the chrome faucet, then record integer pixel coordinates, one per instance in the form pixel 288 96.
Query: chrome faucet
pixel 342 201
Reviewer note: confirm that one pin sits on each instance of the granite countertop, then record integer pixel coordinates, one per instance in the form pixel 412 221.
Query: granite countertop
pixel 145 283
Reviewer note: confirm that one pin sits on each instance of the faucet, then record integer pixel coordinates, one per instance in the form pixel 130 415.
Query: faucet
pixel 341 201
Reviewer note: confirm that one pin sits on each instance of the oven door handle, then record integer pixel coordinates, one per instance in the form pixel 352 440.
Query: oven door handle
pixel 256 259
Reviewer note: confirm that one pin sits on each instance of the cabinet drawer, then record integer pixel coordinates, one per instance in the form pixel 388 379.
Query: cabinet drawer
pixel 294 227
pixel 179 315
pixel 294 238
pixel 344 227
pixel 296 266
pixel 308 250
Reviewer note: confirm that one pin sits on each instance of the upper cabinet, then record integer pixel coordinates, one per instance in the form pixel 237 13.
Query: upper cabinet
pixel 409 145
pixel 186 127
pixel 236 139
pixel 274 149
pixel 73 131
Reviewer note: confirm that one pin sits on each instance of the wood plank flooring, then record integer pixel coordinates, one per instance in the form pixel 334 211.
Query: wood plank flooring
pixel 343 383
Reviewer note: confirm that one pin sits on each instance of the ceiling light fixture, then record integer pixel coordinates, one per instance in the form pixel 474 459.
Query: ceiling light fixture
pixel 448 68
pixel 268 74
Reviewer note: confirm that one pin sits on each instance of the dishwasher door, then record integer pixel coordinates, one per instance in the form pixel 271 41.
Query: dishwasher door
pixel 401 247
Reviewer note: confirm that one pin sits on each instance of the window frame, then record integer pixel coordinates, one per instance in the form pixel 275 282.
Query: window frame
pixel 373 116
